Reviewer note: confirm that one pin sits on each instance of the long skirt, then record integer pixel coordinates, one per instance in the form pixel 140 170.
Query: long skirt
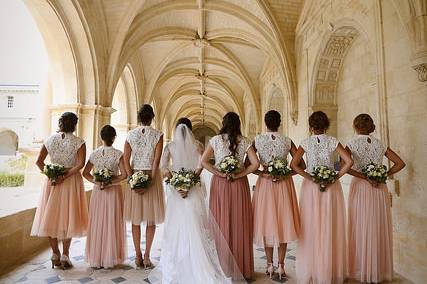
pixel 275 209
pixel 148 207
pixel 370 236
pixel 321 251
pixel 62 212
pixel 106 236
pixel 230 205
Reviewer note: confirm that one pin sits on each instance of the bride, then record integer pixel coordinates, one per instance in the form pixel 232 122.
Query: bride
pixel 188 252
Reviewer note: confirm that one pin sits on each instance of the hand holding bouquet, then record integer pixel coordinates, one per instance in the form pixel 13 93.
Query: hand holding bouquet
pixel 375 173
pixel 229 165
pixel 183 181
pixel 324 176
pixel 139 180
pixel 104 176
pixel 278 168
pixel 53 172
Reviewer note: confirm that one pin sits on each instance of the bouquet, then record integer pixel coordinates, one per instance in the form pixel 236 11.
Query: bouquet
pixel 139 180
pixel 376 173
pixel 229 165
pixel 183 180
pixel 278 168
pixel 53 172
pixel 324 176
pixel 105 176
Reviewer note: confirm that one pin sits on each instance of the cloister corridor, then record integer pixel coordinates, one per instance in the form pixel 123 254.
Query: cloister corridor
pixel 201 59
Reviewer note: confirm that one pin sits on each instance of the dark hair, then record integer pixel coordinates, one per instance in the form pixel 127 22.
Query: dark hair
pixel 231 127
pixel 185 121
pixel 272 120
pixel 108 134
pixel 364 123
pixel 319 121
pixel 146 114
pixel 67 122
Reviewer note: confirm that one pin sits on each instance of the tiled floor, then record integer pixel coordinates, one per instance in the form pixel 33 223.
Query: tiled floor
pixel 38 269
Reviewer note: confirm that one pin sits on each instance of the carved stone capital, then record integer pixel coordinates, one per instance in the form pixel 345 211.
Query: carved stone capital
pixel 201 42
pixel 422 71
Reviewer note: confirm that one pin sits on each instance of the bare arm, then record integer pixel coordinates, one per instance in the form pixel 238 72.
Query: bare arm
pixel 293 151
pixel 346 158
pixel 200 149
pixel 123 173
pixel 398 163
pixel 207 155
pixel 157 156
pixel 257 172
pixel 87 173
pixel 253 166
pixel 126 159
pixel 40 159
pixel 296 163
pixel 351 171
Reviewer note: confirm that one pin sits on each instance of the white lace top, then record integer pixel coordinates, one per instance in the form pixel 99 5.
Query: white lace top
pixel 63 148
pixel 319 151
pixel 272 145
pixel 220 146
pixel 106 158
pixel 143 141
pixel 366 149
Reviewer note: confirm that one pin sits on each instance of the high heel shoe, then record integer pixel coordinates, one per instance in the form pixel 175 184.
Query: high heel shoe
pixel 147 263
pixel 55 260
pixel 281 271
pixel 66 262
pixel 270 270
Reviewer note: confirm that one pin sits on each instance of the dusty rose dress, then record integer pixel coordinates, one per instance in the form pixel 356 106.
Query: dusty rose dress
pixel 62 212
pixel 370 235
pixel 275 206
pixel 230 205
pixel 106 236
pixel 148 207
pixel 321 251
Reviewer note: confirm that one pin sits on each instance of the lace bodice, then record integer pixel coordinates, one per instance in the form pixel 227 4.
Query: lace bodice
pixel 319 151
pixel 143 141
pixel 272 145
pixel 366 149
pixel 106 158
pixel 220 146
pixel 169 157
pixel 63 148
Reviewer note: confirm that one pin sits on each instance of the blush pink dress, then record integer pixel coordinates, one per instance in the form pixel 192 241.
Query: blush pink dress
pixel 230 205
pixel 148 207
pixel 370 233
pixel 106 236
pixel 62 212
pixel 275 206
pixel 321 251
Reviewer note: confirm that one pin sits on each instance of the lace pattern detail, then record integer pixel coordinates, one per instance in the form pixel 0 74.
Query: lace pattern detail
pixel 143 141
pixel 220 146
pixel 366 149
pixel 106 158
pixel 272 145
pixel 63 148
pixel 319 151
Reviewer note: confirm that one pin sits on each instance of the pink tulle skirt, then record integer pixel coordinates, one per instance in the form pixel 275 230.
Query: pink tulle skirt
pixel 370 235
pixel 230 205
pixel 148 207
pixel 62 212
pixel 321 252
pixel 106 236
pixel 276 215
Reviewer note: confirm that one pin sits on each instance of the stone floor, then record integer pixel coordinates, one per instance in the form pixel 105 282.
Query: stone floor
pixel 38 269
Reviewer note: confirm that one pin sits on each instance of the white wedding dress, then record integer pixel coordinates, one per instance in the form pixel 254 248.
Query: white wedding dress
pixel 188 250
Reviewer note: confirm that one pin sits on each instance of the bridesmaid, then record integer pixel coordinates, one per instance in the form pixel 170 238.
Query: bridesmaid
pixel 275 207
pixel 62 212
pixel 321 252
pixel 370 244
pixel 106 237
pixel 144 145
pixel 230 200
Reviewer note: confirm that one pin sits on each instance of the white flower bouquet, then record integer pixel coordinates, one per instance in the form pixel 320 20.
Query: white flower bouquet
pixel 376 173
pixel 229 165
pixel 183 180
pixel 139 180
pixel 105 176
pixel 324 176
pixel 278 168
pixel 53 171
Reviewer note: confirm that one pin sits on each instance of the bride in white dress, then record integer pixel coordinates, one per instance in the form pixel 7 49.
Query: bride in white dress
pixel 188 251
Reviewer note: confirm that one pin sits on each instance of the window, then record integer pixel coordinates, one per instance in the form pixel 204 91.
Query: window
pixel 10 102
